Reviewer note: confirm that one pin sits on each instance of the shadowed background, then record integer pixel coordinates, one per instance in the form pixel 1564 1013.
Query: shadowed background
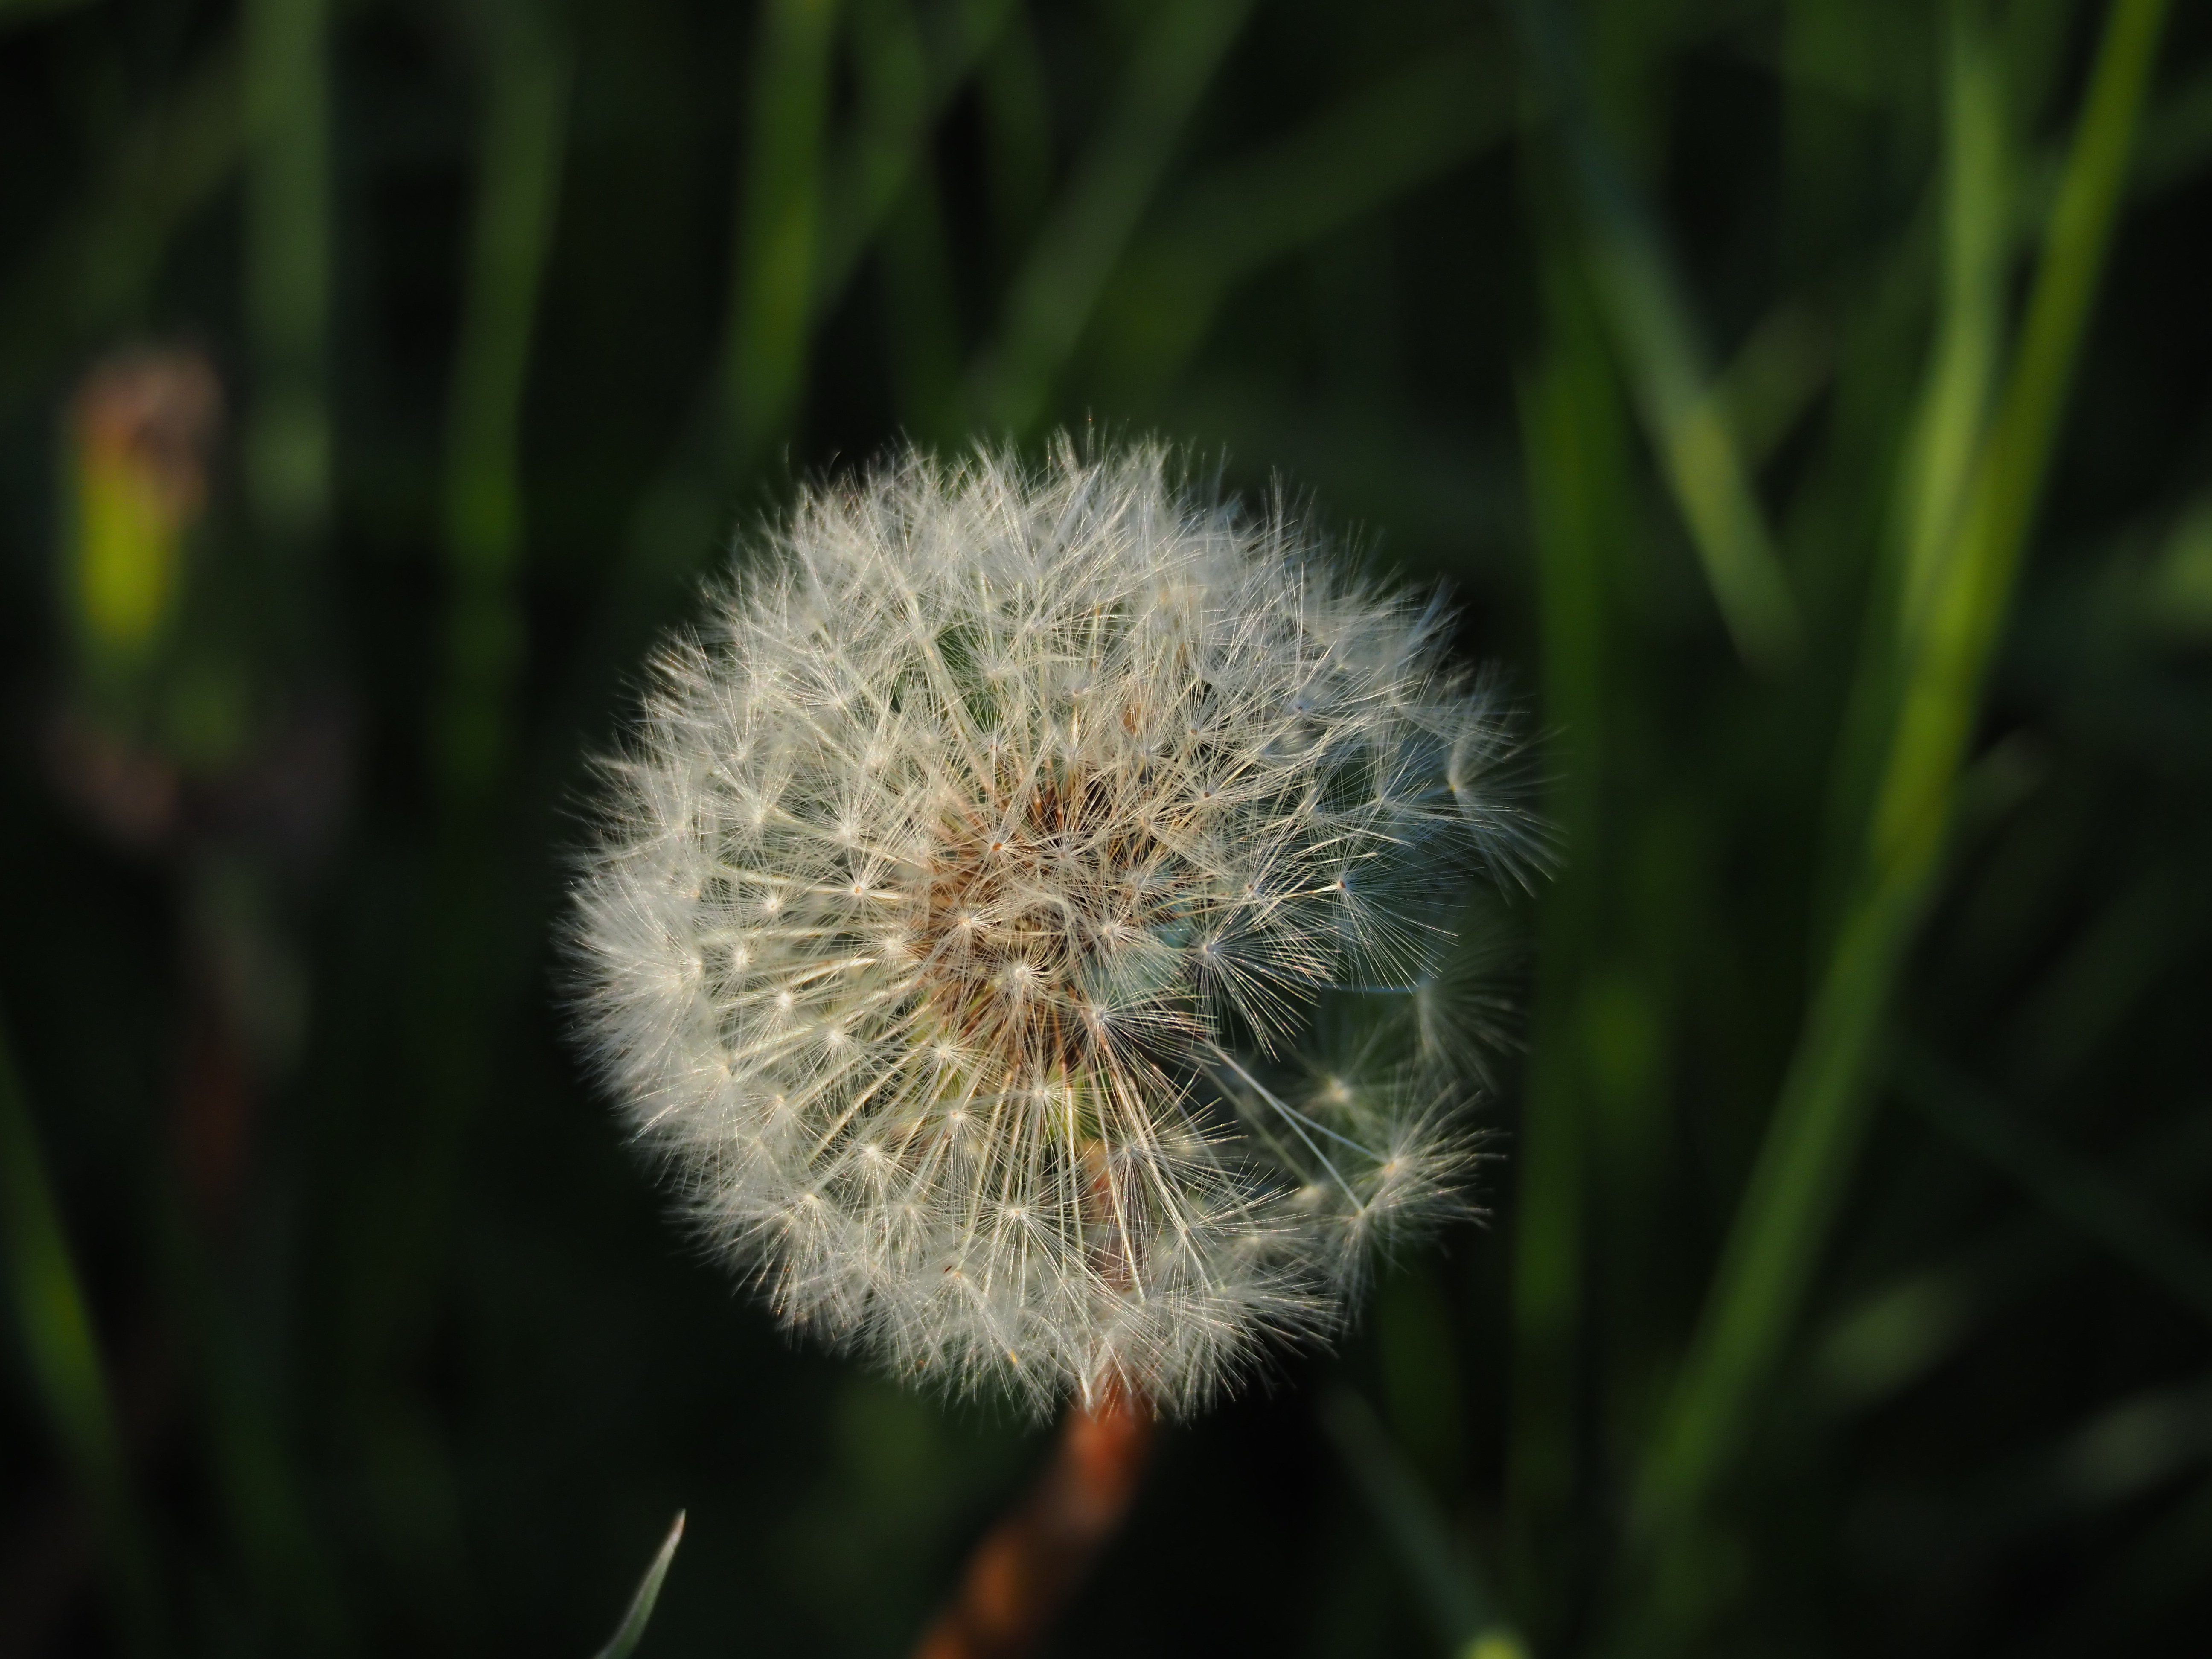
pixel 1806 400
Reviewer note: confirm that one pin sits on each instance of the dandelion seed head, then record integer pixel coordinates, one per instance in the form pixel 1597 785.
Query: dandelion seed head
pixel 969 888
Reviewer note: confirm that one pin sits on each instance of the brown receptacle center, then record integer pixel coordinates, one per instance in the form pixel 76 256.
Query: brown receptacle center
pixel 1023 896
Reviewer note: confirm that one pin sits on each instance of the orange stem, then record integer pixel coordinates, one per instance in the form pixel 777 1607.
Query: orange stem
pixel 1028 1565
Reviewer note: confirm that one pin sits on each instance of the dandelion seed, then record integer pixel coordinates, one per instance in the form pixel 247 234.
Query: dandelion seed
pixel 1046 805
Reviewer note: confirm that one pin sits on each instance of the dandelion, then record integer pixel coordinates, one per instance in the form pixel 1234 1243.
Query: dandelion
pixel 970 897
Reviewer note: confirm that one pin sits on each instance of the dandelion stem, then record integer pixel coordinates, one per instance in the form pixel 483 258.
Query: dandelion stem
pixel 1024 1570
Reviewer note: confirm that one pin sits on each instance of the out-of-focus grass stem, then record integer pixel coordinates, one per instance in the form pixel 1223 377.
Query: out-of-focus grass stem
pixel 286 94
pixel 1388 137
pixel 903 92
pixel 1058 284
pixel 283 1552
pixel 1804 1162
pixel 528 70
pixel 779 221
pixel 1460 1604
pixel 1572 441
pixel 1675 390
pixel 921 335
pixel 1940 458
pixel 770 317
pixel 66 1373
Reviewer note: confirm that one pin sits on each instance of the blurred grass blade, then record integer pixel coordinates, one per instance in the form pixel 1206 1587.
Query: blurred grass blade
pixel 64 1360
pixel 1948 433
pixel 295 1581
pixel 1574 443
pixel 1058 284
pixel 779 218
pixel 2101 1208
pixel 1773 378
pixel 1459 1602
pixel 93 270
pixel 1378 144
pixel 286 63
pixel 1805 1161
pixel 1961 625
pixel 902 93
pixel 528 70
pixel 632 1628
pixel 1675 390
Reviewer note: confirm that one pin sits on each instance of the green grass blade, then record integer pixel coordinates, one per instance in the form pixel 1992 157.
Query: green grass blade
pixel 1959 627
pixel 66 1374
pixel 771 310
pixel 286 64
pixel 632 1629
pixel 1962 378
pixel 522 142
pixel 1459 1602
pixel 1059 284
pixel 241 1416
pixel 1676 391
pixel 1574 440
pixel 2101 1208
pixel 902 93
pixel 1387 138
pixel 1804 1162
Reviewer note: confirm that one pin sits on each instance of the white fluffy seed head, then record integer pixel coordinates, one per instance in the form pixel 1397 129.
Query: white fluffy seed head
pixel 964 900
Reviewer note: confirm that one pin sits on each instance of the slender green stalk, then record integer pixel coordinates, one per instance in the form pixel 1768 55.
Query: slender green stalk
pixel 528 70
pixel 1460 1604
pixel 1068 268
pixel 920 316
pixel 1402 131
pixel 1573 441
pixel 1676 391
pixel 631 1631
pixel 779 219
pixel 286 63
pixel 1804 1163
pixel 255 1482
pixel 1960 626
pixel 66 1373
pixel 902 93
pixel 1954 412
pixel 920 327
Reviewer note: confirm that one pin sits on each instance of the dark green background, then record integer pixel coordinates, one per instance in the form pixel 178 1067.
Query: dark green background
pixel 433 1376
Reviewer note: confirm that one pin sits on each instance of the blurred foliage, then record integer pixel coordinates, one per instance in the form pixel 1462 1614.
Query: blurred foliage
pixel 1807 397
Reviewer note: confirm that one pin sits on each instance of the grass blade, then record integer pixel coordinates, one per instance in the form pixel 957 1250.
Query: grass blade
pixel 1459 1602
pixel 1068 268
pixel 1676 391
pixel 765 359
pixel 632 1628
pixel 901 93
pixel 523 137
pixel 1574 440
pixel 1803 1166
pixel 1350 161
pixel 286 61
pixel 66 1372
